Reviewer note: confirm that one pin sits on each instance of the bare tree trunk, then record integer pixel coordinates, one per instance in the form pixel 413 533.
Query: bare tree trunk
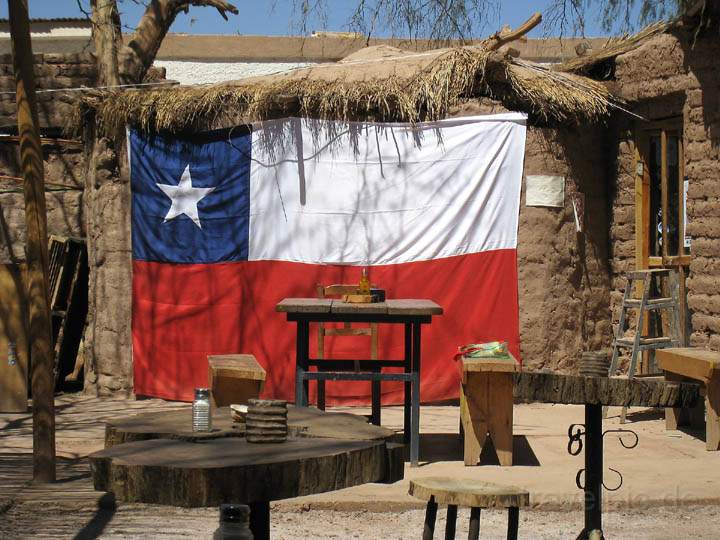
pixel 107 37
pixel 138 55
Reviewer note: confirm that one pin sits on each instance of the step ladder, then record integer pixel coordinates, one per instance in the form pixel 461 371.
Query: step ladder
pixel 643 305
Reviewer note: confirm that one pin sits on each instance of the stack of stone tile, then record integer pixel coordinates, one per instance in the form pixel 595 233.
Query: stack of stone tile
pixel 266 421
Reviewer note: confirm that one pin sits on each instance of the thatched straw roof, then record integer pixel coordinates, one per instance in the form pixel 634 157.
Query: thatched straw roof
pixel 383 84
pixel 612 49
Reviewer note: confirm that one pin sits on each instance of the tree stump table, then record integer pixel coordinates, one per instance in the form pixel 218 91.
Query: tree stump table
pixel 595 393
pixel 156 459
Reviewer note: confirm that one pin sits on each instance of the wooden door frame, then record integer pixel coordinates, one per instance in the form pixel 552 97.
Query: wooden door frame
pixel 643 260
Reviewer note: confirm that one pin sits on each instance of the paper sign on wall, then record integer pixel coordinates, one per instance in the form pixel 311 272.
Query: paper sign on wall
pixel 544 190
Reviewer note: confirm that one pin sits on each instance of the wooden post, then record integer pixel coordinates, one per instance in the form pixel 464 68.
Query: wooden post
pixel 41 353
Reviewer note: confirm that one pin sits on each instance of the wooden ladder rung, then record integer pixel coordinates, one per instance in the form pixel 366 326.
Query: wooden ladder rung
pixel 644 342
pixel 654 303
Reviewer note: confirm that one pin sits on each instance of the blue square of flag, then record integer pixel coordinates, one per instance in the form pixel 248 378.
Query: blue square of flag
pixel 190 197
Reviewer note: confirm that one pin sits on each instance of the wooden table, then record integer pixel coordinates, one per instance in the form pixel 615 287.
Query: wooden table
pixel 595 393
pixel 154 458
pixel 699 365
pixel 410 313
pixel 486 406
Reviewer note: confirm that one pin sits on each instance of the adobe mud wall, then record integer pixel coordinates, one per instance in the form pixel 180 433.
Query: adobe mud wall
pixel 675 75
pixel 63 161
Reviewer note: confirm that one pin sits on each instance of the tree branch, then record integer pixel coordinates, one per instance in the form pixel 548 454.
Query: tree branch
pixel 138 55
pixel 497 40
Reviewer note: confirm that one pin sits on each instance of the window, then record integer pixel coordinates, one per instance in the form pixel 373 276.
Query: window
pixel 663 195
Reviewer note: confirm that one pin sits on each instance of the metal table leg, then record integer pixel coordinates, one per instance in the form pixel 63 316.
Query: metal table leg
pixel 594 483
pixel 302 348
pixel 408 384
pixel 593 468
pixel 260 520
pixel 415 413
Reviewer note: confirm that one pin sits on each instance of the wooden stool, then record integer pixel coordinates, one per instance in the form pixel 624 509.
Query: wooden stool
pixel 456 492
pixel 234 379
pixel 681 364
pixel 486 406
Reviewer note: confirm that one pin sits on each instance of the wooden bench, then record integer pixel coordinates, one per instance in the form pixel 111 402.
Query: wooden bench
pixel 486 407
pixel 699 365
pixel 474 494
pixel 234 378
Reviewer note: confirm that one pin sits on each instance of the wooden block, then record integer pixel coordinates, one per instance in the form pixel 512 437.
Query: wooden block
pixel 697 364
pixel 486 407
pixel 13 340
pixel 234 378
pixel 470 493
pixel 360 298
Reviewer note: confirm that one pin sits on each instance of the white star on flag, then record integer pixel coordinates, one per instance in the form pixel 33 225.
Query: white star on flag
pixel 184 197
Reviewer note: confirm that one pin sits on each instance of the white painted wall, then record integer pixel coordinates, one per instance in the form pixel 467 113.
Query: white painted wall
pixel 215 72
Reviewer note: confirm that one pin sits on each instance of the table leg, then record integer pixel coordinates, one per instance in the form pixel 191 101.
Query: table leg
pixel 260 520
pixel 415 414
pixel 301 363
pixel 593 468
pixel 408 384
pixel 376 402
pixel 513 522
pixel 712 423
pixel 450 522
pixel 474 532
pixel 430 514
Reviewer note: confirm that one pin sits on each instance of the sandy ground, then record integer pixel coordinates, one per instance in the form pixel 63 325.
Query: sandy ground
pixel 670 489
pixel 143 521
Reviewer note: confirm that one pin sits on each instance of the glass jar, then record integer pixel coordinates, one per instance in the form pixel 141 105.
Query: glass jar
pixel 234 523
pixel 201 414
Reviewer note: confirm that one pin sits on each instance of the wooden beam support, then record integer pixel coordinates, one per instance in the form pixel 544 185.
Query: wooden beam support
pixel 43 380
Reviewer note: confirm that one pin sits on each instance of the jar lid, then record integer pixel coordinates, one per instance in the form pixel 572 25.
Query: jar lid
pixel 234 513
pixel 202 393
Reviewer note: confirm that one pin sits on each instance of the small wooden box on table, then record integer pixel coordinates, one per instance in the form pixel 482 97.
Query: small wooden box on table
pixel 234 378
pixel 486 406
pixel 697 365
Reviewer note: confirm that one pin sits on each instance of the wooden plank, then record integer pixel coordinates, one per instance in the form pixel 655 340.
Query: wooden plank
pixel 497 365
pixel 13 340
pixel 607 391
pixel 181 473
pixel 486 408
pixel 697 364
pixel 468 492
pixel 304 305
pixel 408 306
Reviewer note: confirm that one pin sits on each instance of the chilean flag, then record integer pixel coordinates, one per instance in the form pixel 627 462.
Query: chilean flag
pixel 227 224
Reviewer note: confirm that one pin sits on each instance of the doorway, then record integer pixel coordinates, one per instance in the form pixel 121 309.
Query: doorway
pixel 661 187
